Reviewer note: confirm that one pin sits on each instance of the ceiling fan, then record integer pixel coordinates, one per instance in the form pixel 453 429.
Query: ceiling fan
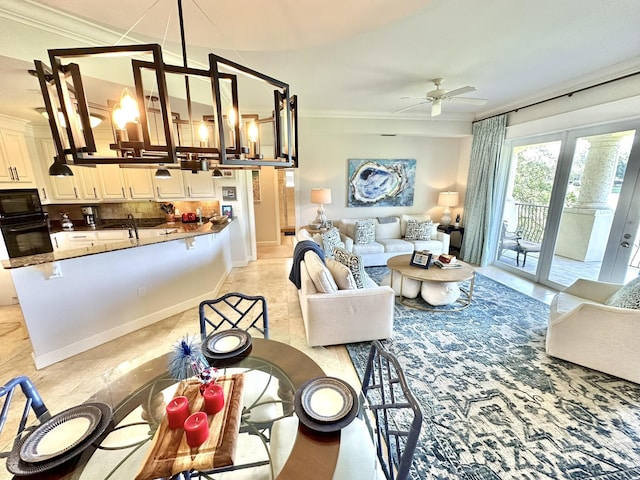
pixel 439 95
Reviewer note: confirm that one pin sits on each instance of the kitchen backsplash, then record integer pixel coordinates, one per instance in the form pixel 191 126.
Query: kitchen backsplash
pixel 110 211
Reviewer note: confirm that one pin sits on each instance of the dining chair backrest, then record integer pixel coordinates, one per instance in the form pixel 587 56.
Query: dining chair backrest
pixel 234 310
pixel 394 411
pixel 33 401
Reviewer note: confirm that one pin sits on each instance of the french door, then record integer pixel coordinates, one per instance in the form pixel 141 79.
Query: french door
pixel 572 206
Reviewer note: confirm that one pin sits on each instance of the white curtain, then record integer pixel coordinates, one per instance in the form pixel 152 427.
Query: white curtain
pixel 481 195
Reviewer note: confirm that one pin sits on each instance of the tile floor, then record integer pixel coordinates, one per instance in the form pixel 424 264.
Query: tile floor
pixel 72 381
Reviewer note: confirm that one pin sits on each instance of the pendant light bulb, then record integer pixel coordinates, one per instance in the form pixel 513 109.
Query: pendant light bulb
pixel 252 132
pixel 232 117
pixel 203 133
pixel 129 106
pixel 119 117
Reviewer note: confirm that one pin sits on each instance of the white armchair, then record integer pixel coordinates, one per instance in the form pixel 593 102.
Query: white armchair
pixel 584 330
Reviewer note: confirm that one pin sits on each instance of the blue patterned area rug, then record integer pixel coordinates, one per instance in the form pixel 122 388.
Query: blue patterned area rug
pixel 497 407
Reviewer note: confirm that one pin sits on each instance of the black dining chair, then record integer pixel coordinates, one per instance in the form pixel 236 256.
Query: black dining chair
pixel 234 310
pixel 391 411
pixel 32 402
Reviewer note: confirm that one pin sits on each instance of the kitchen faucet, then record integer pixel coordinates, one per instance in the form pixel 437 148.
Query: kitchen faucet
pixel 132 225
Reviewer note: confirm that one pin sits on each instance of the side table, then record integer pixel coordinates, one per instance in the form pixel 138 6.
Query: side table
pixel 449 229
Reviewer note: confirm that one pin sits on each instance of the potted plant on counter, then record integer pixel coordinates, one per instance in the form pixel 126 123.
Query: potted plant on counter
pixel 170 212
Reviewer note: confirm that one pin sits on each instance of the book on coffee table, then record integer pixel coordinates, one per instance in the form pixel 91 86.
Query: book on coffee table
pixel 445 266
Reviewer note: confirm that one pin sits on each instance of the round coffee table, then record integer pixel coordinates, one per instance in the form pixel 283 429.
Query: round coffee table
pixel 435 274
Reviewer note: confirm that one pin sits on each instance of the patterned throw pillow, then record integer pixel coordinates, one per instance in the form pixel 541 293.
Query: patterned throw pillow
pixel 627 297
pixel 353 262
pixel 365 231
pixel 418 230
pixel 330 240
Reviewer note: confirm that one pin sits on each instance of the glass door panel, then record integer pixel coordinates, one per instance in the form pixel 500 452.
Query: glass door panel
pixel 598 167
pixel 526 206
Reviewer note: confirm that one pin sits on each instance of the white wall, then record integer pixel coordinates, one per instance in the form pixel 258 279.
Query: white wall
pixel 327 143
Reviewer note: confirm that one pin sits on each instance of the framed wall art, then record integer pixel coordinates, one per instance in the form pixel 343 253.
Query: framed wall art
pixel 229 193
pixel 381 183
pixel 257 189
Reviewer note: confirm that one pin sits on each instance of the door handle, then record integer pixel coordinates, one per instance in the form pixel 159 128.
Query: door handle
pixel 11 173
pixel 625 244
pixel 15 169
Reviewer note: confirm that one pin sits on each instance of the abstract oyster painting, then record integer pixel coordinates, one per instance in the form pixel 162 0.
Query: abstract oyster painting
pixel 381 183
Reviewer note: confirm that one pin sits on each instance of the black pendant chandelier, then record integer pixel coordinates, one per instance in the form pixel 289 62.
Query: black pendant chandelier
pixel 160 118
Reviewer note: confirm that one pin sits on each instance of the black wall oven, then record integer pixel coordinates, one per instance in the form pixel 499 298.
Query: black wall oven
pixel 24 223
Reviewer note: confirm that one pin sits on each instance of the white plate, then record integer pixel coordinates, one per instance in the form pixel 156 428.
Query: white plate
pixel 327 399
pixel 61 433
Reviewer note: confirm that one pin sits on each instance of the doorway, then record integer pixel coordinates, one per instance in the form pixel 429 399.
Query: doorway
pixel 571 207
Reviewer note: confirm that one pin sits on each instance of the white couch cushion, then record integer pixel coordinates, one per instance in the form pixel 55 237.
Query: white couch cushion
pixel 388 230
pixel 395 245
pixel 434 246
pixel 354 263
pixel 567 302
pixel 319 273
pixel 368 248
pixel 341 274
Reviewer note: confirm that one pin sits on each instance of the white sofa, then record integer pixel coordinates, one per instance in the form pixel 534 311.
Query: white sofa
pixel 584 330
pixel 390 239
pixel 343 316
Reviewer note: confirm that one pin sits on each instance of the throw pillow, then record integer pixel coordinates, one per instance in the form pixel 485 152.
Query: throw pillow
pixel 330 240
pixel 319 273
pixel 354 263
pixel 418 230
pixel 404 218
pixel 627 297
pixel 342 275
pixel 365 231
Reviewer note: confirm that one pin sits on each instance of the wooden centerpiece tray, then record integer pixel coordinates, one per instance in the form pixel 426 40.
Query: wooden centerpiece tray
pixel 170 454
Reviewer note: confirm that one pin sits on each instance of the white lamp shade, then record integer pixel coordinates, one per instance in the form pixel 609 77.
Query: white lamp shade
pixel 448 199
pixel 321 195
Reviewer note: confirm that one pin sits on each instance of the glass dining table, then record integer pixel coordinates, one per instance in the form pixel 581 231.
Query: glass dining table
pixel 138 399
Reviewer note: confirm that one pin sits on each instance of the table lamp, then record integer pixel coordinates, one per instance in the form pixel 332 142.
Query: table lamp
pixel 446 200
pixel 321 196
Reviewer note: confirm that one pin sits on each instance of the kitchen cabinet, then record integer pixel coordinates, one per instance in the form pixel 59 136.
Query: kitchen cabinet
pixel 199 185
pixel 138 183
pixel 88 182
pixel 59 241
pixel 71 240
pixel 112 182
pixel 111 236
pixel 170 188
pixel 15 166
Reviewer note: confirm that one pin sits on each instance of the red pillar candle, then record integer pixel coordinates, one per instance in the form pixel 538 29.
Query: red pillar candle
pixel 213 399
pixel 177 412
pixel 197 429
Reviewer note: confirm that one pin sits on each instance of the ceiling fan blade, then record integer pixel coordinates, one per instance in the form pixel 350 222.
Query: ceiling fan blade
pixel 405 98
pixel 460 91
pixel 436 108
pixel 470 101
pixel 409 108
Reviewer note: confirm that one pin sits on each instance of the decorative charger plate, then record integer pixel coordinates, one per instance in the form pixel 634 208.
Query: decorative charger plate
pixel 226 344
pixel 326 404
pixel 17 466
pixel 60 433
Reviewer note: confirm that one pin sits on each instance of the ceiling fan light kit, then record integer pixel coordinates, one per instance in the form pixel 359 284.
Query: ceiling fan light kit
pixel 437 96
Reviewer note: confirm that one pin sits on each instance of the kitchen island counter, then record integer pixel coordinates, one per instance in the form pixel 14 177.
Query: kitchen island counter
pixel 177 231
pixel 116 288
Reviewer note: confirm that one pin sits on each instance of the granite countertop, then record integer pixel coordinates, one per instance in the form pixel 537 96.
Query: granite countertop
pixel 186 230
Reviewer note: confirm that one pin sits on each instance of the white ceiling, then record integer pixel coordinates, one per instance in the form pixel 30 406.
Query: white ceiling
pixel 353 58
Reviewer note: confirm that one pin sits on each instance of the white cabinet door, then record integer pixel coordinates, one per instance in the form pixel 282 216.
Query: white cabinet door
pixel 80 239
pixel 170 188
pixel 111 182
pixel 112 236
pixel 138 182
pixel 64 188
pixel 15 166
pixel 88 182
pixel 59 241
pixel 199 185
